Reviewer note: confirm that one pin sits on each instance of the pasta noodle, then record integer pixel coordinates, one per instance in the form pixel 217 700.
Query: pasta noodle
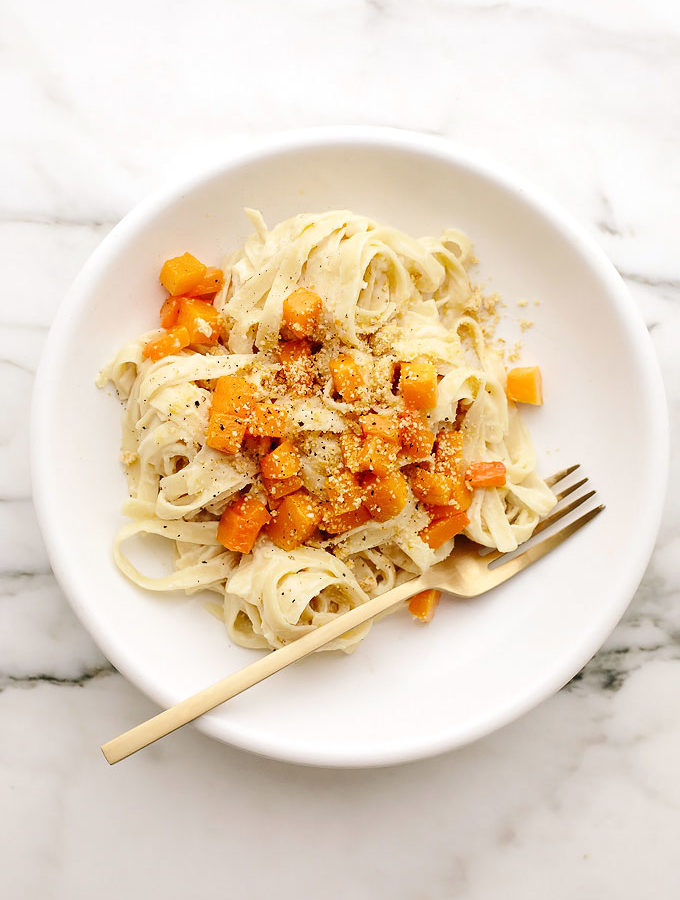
pixel 388 300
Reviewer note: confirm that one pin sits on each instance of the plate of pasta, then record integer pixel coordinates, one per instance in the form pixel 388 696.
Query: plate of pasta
pixel 328 355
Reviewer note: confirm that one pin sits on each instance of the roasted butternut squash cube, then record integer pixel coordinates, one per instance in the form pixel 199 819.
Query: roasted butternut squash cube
pixel 461 495
pixel 418 384
pixel 344 492
pixel 201 320
pixel 234 394
pixel 415 437
pixel 433 488
pixel 278 488
pixel 448 454
pixel 339 523
pixel 385 427
pixel 172 341
pixel 241 523
pixel 283 462
pixel 301 311
pixel 423 606
pixel 260 446
pixel 350 445
pixel 377 455
pixel 267 420
pixel 181 273
pixel 385 495
pixel 298 371
pixel 347 378
pixel 211 282
pixel 449 461
pixel 485 475
pixel 169 312
pixel 293 351
pixel 295 520
pixel 446 523
pixel 225 432
pixel 369 454
pixel 525 385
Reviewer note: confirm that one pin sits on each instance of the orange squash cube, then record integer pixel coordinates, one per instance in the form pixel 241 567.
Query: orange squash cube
pixel 446 523
pixel 385 427
pixel 448 454
pixel 423 606
pixel 338 523
pixel 181 273
pixel 370 454
pixel 385 495
pixel 441 512
pixel 432 488
pixel 210 284
pixel 294 351
pixel 350 445
pixel 294 521
pixel 298 372
pixel 267 420
pixel 276 489
pixel 461 495
pixel 234 394
pixel 344 492
pixel 169 312
pixel 378 456
pixel 171 342
pixel 418 384
pixel 449 461
pixel 225 432
pixel 241 523
pixel 485 475
pixel 283 462
pixel 525 385
pixel 260 446
pixel 347 378
pixel 301 311
pixel 415 437
pixel 201 320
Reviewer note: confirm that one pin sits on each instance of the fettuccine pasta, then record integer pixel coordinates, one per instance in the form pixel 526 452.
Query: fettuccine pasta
pixel 316 421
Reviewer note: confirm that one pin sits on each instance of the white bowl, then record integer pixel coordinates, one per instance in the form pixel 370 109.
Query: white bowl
pixel 407 692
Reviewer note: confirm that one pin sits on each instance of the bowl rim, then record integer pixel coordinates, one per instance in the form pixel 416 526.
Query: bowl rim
pixel 443 149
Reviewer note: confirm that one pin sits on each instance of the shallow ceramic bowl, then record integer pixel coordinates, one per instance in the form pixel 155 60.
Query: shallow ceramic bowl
pixel 408 691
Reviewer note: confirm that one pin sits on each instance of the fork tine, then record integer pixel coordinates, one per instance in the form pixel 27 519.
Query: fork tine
pixel 558 476
pixel 557 515
pixel 513 566
pixel 491 555
pixel 570 489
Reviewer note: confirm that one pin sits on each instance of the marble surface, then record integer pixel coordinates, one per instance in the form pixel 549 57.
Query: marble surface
pixel 98 103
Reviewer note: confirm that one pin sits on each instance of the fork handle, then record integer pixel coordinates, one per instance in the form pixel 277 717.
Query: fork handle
pixel 187 710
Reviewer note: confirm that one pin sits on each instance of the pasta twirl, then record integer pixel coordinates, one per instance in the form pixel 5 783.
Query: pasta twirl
pixel 321 323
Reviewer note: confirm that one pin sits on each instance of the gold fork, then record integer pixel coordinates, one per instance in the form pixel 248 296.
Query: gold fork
pixel 468 572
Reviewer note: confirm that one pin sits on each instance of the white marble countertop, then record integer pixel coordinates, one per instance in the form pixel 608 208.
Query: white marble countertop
pixel 98 102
